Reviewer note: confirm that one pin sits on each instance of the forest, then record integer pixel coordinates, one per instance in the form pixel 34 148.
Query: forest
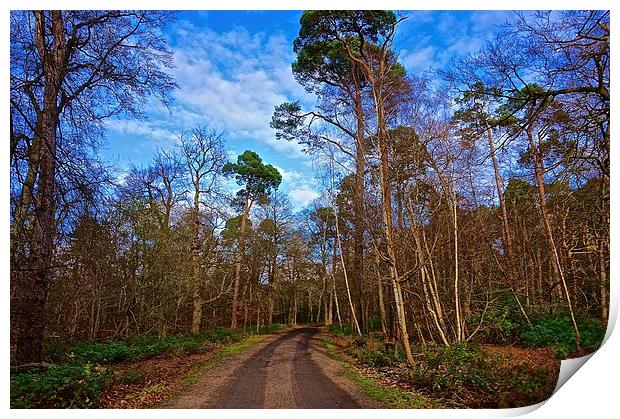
pixel 466 206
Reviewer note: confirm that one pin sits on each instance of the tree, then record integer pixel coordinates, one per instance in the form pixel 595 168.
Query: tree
pixel 70 69
pixel 357 32
pixel 258 181
pixel 204 154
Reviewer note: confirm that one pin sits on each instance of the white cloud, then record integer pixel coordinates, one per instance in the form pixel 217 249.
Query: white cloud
pixel 421 59
pixel 303 196
pixel 234 80
pixel 156 136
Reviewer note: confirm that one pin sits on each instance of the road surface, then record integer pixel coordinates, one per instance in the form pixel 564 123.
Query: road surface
pixel 287 370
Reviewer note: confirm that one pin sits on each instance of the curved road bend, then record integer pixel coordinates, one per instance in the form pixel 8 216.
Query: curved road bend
pixel 288 370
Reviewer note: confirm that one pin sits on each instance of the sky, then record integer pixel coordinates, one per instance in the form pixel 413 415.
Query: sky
pixel 233 67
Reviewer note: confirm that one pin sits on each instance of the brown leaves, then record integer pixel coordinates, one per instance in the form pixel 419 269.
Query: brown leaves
pixel 162 377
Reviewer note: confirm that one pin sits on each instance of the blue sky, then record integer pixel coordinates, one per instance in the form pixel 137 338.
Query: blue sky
pixel 233 67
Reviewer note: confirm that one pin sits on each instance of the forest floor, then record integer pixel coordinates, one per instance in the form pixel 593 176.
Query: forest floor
pixel 467 376
pixel 162 377
pixel 299 367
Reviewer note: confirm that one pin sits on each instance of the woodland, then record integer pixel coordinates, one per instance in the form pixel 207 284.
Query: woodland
pixel 460 207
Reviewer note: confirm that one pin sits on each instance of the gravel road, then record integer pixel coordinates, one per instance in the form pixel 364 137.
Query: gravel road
pixel 287 370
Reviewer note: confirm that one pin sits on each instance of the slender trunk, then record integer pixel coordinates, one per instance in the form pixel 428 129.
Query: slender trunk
pixel 603 252
pixel 457 296
pixel 380 292
pixel 334 287
pixel 346 278
pixel 239 259
pixel 196 286
pixel 357 275
pixel 27 192
pixel 330 308
pixel 506 237
pixel 539 173
pixel 429 282
pixel 386 197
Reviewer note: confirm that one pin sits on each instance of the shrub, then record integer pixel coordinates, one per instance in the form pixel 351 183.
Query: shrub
pixel 470 376
pixel 336 330
pixel 78 379
pixel 103 352
pixel 376 358
pixel 62 386
pixel 503 321
pixel 556 331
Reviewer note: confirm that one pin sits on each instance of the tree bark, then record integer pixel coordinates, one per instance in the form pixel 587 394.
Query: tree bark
pixel 239 259
pixel 35 286
pixel 506 237
pixel 346 278
pixel 539 173
pixel 196 288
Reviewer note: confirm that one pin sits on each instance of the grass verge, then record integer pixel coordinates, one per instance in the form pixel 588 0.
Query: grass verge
pixel 389 397
pixel 220 355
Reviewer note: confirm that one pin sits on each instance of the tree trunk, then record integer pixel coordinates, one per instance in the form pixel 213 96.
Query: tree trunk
pixel 539 173
pixel 239 260
pixel 346 278
pixel 34 288
pixel 196 288
pixel 506 237
pixel 380 292
pixel 357 275
pixel 386 199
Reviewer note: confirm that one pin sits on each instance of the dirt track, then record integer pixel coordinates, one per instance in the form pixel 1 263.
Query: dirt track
pixel 288 370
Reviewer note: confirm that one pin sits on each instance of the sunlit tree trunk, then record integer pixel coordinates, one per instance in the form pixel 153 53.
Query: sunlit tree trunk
pixel 539 173
pixel 346 277
pixel 506 236
pixel 196 282
pixel 239 261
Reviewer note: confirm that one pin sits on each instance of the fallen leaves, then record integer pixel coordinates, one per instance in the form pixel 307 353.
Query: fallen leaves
pixel 162 378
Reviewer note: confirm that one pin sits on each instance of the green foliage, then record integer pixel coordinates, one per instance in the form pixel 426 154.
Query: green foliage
pixel 132 377
pixel 377 358
pixel 520 195
pixel 374 323
pixel 323 25
pixel 62 386
pixel 457 375
pixel 503 321
pixel 258 179
pixel 556 331
pixel 328 39
pixel 465 373
pixel 345 330
pixel 103 352
pixel 77 381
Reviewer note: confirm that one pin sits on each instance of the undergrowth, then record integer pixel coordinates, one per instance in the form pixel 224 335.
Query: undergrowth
pixel 84 369
pixel 556 331
pixel 459 375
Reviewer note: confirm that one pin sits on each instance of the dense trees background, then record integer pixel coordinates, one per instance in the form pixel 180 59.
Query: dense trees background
pixel 454 207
